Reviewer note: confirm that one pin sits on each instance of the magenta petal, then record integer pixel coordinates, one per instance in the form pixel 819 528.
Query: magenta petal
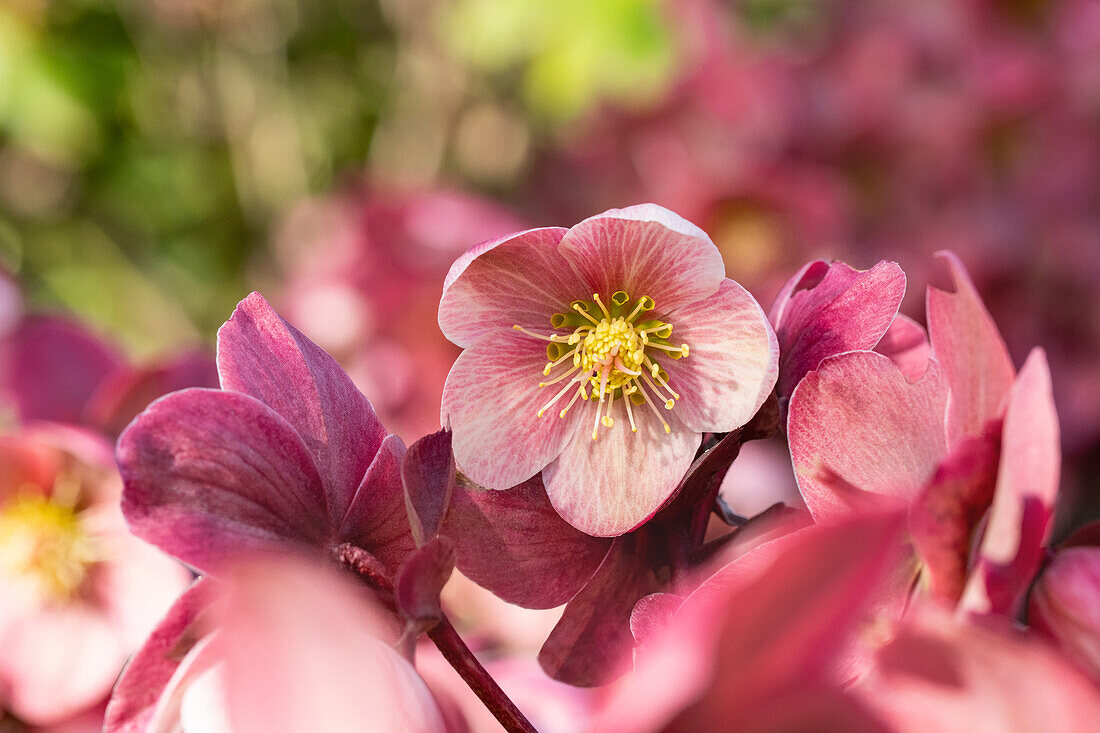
pixel 645 250
pixel 491 403
pixel 652 615
pixel 829 308
pixel 209 473
pixel 138 691
pixel 420 581
pixel 1065 603
pixel 940 674
pixel 906 343
pixel 591 643
pixel 428 477
pixel 377 520
pixel 1027 487
pixel 262 355
pixel 966 342
pixel 56 366
pixel 944 517
pixel 733 360
pixel 858 416
pixel 516 279
pixel 514 543
pixel 613 484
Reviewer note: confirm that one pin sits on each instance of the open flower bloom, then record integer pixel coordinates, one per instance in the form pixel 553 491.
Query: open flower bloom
pixel 211 665
pixel 599 355
pixel 77 592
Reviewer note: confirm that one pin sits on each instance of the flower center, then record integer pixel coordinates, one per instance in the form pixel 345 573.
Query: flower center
pixel 44 547
pixel 604 353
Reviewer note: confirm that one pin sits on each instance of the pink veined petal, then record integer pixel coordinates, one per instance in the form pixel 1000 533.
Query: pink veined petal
pixel 262 355
pixel 613 484
pixel 56 366
pixel 146 676
pixel 376 520
pixel 967 344
pixel 333 670
pixel 858 416
pixel 514 543
pixel 732 364
pixel 645 250
pixel 906 343
pixel 1065 603
pixel 1023 501
pixel 516 279
pixel 830 308
pixel 491 402
pixel 209 473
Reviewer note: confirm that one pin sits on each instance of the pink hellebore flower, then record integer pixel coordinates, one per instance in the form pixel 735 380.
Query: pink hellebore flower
pixel 211 665
pixel 287 452
pixel 599 355
pixel 77 592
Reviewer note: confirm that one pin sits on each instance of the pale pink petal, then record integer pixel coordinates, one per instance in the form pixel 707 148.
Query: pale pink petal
pixel 491 402
pixel 514 543
pixel 56 662
pixel 262 355
pixel 967 344
pixel 944 675
pixel 147 675
pixel 732 364
pixel 516 279
pixel 1065 603
pixel 377 520
pixel 906 343
pixel 645 250
pixel 210 473
pixel 652 615
pixel 331 671
pixel 613 484
pixel 858 416
pixel 1023 502
pixel 829 308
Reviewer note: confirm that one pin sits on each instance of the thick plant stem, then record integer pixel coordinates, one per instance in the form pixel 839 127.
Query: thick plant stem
pixel 446 639
pixel 460 657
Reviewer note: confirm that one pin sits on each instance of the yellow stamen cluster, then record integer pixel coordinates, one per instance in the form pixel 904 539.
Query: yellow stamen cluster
pixel 603 350
pixel 44 547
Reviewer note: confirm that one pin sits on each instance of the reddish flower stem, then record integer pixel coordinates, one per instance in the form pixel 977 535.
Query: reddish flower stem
pixel 447 640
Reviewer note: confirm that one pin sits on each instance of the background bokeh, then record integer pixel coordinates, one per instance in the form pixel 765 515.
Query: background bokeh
pixel 161 158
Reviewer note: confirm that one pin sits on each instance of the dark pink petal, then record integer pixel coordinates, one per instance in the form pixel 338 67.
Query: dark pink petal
pixel 128 391
pixel 56 366
pixel 906 343
pixel 944 675
pixel 858 416
pixel 491 403
pixel 514 543
pixel 428 476
pixel 377 520
pixel 945 515
pixel 966 342
pixel 262 355
pixel 1065 603
pixel 209 473
pixel 1023 503
pixel 144 680
pixel 591 643
pixel 732 364
pixel 518 279
pixel 333 668
pixel 613 484
pixel 645 250
pixel 420 581
pixel 829 308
